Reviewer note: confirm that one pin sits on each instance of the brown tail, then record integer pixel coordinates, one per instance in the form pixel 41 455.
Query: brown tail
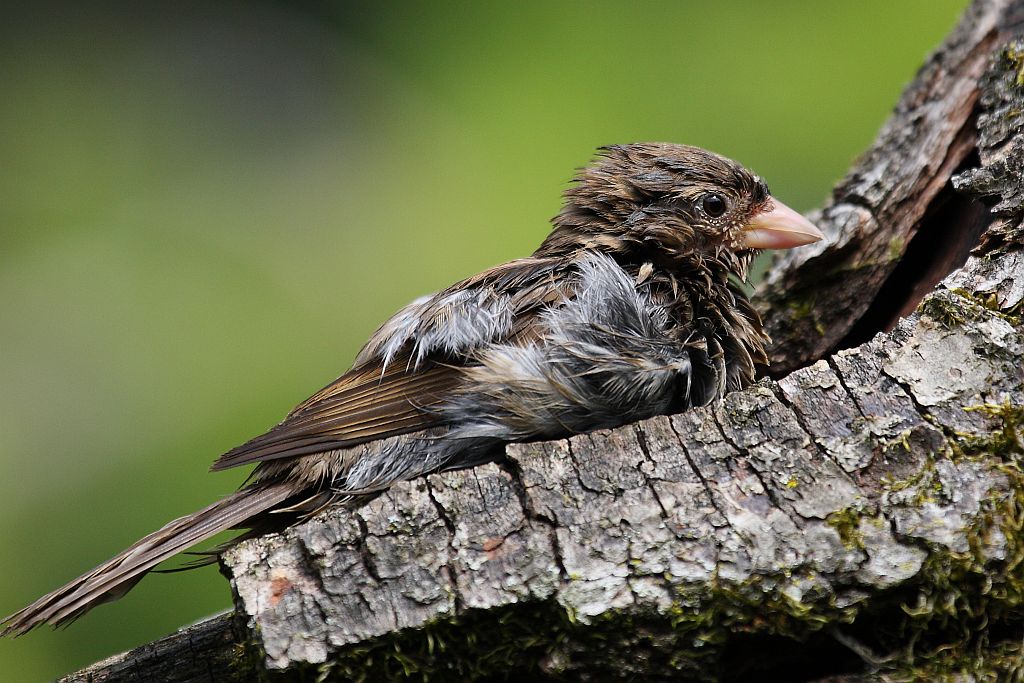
pixel 118 575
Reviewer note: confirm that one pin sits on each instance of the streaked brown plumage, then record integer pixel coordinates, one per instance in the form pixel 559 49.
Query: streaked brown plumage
pixel 631 307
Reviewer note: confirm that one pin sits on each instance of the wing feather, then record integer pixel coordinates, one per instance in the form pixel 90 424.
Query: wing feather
pixel 362 405
pixel 409 366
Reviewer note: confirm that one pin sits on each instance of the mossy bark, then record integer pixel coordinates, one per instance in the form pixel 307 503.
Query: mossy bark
pixel 858 519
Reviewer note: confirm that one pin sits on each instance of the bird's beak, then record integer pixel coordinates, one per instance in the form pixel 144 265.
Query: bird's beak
pixel 778 227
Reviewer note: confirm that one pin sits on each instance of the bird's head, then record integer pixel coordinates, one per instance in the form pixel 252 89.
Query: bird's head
pixel 664 201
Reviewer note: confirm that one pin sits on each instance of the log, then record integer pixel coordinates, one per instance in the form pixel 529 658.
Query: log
pixel 856 516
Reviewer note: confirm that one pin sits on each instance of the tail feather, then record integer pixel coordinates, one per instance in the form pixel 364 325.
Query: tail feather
pixel 118 575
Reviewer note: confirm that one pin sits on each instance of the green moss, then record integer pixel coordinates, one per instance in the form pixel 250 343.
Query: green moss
pixel 1016 58
pixel 947 312
pixel 1005 440
pixel 954 307
pixel 923 480
pixel 897 246
pixel 802 309
pixel 1001 661
pixel 846 522
pixel 990 302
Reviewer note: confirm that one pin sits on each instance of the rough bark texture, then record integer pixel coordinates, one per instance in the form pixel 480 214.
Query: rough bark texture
pixel 894 224
pixel 859 519
pixel 207 651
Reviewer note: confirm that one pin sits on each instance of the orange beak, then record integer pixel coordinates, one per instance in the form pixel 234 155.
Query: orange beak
pixel 778 227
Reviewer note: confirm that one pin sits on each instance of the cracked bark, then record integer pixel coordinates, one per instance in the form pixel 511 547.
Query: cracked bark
pixel 857 519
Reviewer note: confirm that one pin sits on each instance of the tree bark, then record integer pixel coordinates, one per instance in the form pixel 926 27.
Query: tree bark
pixel 858 519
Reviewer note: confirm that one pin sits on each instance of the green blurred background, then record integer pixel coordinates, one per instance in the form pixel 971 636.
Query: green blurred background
pixel 205 208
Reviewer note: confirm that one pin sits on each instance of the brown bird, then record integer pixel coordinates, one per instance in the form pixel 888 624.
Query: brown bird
pixel 631 307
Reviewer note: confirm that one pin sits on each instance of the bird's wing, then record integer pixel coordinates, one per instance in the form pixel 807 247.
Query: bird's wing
pixel 411 363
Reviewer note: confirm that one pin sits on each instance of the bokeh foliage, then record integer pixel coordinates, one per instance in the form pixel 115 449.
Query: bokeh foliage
pixel 206 207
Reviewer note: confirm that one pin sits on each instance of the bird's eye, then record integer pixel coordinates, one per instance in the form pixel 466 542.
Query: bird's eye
pixel 713 205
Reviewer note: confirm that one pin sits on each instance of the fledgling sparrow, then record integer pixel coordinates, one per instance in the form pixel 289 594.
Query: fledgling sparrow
pixel 630 308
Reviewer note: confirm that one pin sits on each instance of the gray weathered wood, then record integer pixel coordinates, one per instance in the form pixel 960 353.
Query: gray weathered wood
pixel 860 518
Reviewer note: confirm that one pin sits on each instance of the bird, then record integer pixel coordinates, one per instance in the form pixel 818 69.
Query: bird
pixel 633 306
